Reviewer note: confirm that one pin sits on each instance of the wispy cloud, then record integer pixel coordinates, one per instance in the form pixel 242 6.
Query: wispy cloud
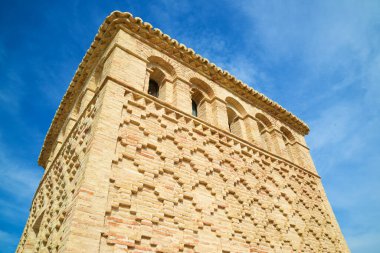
pixel 204 37
pixel 215 48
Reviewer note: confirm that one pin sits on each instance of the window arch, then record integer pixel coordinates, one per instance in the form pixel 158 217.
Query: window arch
pixel 160 75
pixel 236 106
pixel 287 134
pixel 162 64
pixel 198 103
pixel 264 120
pixel 156 80
pixel 37 224
pixel 264 125
pixel 202 86
pixel 201 93
pixel 288 140
pixel 235 114
pixel 232 118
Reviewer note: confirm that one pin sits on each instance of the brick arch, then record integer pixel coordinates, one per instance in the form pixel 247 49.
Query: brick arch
pixel 201 94
pixel 236 106
pixel 163 73
pixel 235 114
pixel 165 65
pixel 203 87
pixel 157 75
pixel 264 124
pixel 263 119
pixel 287 133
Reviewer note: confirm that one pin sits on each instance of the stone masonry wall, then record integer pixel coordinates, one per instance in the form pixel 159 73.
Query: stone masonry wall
pixel 51 213
pixel 181 185
pixel 129 172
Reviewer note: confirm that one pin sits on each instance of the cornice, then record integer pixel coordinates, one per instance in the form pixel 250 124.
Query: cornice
pixel 164 43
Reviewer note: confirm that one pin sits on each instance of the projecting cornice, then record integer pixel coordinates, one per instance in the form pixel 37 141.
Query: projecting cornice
pixel 162 42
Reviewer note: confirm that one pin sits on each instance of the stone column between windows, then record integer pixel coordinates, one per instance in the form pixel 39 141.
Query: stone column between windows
pixel 166 91
pixel 146 80
pixel 290 151
pixel 252 132
pixel 220 113
pixel 69 125
pixel 266 138
pixel 205 111
pixel 182 96
pixel 278 144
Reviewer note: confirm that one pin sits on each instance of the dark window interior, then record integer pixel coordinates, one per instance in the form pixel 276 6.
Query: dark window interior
pixel 153 88
pixel 194 107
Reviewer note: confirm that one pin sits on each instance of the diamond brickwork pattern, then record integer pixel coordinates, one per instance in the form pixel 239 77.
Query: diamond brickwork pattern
pixel 178 185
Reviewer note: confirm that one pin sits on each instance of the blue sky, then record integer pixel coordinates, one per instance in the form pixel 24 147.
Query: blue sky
pixel 318 59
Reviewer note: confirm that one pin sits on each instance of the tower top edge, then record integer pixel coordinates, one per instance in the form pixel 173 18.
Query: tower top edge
pixel 108 28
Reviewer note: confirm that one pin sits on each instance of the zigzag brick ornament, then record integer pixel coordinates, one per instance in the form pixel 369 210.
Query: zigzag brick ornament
pixel 155 149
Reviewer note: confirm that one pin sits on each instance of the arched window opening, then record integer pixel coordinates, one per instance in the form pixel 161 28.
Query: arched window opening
pixel 260 126
pixel 155 61
pixel 203 87
pixel 194 108
pixel 287 134
pixel 235 115
pixel 264 120
pixel 232 120
pixel 161 76
pixel 264 125
pixel 198 106
pixel 288 139
pixel 153 88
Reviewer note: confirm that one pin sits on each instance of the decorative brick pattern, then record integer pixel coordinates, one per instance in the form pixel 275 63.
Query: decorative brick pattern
pixel 129 172
pixel 179 185
pixel 49 219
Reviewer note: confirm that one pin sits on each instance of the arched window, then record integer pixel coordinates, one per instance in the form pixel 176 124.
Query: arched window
pixel 288 139
pixel 201 93
pixel 235 114
pixel 161 77
pixel 232 117
pixel 153 88
pixel 194 108
pixel 264 125
pixel 260 127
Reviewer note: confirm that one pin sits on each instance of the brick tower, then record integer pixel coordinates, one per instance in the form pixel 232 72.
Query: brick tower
pixel 155 149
